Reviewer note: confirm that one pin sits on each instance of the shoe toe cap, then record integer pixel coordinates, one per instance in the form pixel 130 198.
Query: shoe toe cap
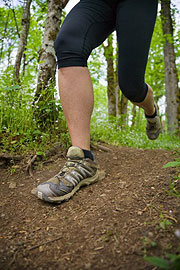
pixel 45 189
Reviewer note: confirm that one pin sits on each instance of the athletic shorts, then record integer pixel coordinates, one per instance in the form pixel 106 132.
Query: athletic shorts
pixel 91 21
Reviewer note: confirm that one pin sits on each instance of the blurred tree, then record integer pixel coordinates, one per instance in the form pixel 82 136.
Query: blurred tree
pixel 171 76
pixel 111 92
pixel 121 100
pixel 23 36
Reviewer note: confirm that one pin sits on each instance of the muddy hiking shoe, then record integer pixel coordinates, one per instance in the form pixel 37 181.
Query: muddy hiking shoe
pixel 77 171
pixel 153 126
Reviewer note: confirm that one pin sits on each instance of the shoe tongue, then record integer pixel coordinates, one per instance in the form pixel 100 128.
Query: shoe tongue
pixel 75 152
pixel 152 120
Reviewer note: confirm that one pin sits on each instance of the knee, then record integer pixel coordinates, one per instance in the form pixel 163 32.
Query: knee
pixel 134 90
pixel 67 53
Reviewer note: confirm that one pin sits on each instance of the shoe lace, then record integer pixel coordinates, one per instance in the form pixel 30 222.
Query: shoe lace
pixel 70 164
pixel 151 126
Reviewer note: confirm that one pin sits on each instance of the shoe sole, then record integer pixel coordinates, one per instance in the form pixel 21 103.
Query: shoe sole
pixel 154 134
pixel 85 182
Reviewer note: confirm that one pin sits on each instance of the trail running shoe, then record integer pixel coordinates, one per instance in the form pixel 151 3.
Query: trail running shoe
pixel 153 127
pixel 77 171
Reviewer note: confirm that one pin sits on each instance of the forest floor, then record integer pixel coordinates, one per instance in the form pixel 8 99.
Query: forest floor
pixel 109 225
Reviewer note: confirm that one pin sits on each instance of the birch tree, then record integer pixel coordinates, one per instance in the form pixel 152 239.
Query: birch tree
pixel 121 100
pixel 171 77
pixel 108 53
pixel 23 37
pixel 47 60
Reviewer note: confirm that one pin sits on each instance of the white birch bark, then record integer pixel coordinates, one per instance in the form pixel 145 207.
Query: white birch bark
pixel 23 38
pixel 171 77
pixel 47 58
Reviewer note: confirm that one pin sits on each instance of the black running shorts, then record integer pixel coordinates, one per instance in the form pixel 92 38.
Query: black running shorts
pixel 91 21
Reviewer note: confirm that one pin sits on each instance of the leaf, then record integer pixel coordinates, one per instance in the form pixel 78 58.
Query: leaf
pixel 13 142
pixel 15 87
pixel 159 262
pixel 172 164
pixel 164 223
pixel 40 154
pixel 175 261
pixel 173 257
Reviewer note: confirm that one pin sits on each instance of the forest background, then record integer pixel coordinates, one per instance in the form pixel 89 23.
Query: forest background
pixel 31 116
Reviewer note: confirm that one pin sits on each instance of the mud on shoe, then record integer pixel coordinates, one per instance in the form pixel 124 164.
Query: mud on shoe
pixel 153 126
pixel 77 171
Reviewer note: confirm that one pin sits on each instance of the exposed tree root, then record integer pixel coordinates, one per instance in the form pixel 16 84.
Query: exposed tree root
pixel 101 147
pixel 51 152
pixel 29 165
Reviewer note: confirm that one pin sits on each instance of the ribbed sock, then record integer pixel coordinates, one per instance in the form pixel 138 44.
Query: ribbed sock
pixel 88 154
pixel 154 114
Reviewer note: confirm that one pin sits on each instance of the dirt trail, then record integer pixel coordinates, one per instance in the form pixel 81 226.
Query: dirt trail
pixel 109 225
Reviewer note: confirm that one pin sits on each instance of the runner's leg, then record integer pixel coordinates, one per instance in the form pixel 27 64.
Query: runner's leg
pixel 85 27
pixel 135 24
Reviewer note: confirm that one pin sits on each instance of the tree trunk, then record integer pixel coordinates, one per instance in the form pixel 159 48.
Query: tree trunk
pixel 24 64
pixel 133 116
pixel 171 77
pixel 111 91
pixel 122 107
pixel 23 37
pixel 121 100
pixel 123 104
pixel 4 34
pixel 117 99
pixel 44 95
pixel 178 111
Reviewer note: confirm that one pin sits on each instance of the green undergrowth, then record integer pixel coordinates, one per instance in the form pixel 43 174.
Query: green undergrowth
pixel 23 135
pixel 118 132
pixel 20 131
pixel 109 132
